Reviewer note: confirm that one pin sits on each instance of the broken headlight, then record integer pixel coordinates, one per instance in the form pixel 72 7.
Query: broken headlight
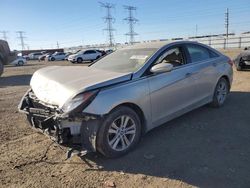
pixel 79 102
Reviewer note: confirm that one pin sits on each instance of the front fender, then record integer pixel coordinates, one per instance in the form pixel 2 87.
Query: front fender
pixel 135 92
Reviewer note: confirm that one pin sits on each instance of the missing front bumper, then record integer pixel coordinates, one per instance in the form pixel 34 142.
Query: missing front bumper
pixel 76 130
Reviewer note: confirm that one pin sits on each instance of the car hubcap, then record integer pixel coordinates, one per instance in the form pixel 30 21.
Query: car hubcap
pixel 221 92
pixel 121 133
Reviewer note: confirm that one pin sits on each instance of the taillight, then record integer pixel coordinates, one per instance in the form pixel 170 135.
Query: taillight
pixel 230 62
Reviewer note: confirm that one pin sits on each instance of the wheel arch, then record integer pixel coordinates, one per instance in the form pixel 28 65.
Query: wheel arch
pixel 227 79
pixel 139 112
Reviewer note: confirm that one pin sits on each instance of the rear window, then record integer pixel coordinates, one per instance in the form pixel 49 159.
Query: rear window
pixel 198 53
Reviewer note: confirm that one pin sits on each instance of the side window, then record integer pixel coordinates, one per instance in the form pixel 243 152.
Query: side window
pixel 87 52
pixel 198 53
pixel 173 56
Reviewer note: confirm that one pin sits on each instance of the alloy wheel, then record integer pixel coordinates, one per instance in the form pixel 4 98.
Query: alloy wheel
pixel 222 92
pixel 121 133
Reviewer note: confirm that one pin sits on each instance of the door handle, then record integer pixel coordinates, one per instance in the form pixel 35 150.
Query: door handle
pixel 215 64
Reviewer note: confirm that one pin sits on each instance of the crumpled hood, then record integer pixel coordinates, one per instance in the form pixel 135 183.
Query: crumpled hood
pixel 56 84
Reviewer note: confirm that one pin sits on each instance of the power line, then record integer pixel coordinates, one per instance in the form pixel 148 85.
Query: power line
pixel 227 22
pixel 4 33
pixel 131 21
pixel 109 19
pixel 227 25
pixel 21 37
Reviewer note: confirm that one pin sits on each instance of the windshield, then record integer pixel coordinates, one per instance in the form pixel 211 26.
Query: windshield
pixel 80 52
pixel 125 60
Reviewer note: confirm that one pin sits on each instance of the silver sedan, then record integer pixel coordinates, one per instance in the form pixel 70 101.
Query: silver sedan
pixel 109 105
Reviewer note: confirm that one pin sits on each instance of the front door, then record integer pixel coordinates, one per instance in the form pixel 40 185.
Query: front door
pixel 171 92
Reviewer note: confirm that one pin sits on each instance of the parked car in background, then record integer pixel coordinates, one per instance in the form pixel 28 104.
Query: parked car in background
pixel 57 56
pixel 67 55
pixel 109 105
pixel 102 52
pixel 34 56
pixel 26 57
pixel 42 57
pixel 109 51
pixel 87 55
pixel 242 61
pixel 19 61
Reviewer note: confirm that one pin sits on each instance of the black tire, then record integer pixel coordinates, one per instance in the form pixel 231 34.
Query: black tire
pixel 97 57
pixel 52 59
pixel 216 103
pixel 79 60
pixel 102 142
pixel 20 63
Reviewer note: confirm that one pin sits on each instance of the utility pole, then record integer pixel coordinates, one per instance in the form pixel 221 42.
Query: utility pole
pixel 57 44
pixel 4 35
pixel 196 30
pixel 131 20
pixel 109 19
pixel 21 37
pixel 227 23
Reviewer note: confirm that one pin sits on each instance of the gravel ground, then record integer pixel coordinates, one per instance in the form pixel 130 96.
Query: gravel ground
pixel 204 148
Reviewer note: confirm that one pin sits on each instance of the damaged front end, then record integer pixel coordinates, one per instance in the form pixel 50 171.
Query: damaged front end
pixel 73 129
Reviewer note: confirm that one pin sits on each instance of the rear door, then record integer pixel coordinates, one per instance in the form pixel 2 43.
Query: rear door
pixel 60 56
pixel 87 55
pixel 204 63
pixel 93 54
pixel 171 93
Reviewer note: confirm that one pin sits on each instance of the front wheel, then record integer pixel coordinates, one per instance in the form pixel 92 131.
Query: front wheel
pixel 220 93
pixel 119 133
pixel 79 60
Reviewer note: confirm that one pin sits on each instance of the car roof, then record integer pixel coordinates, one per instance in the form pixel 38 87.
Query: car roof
pixel 156 45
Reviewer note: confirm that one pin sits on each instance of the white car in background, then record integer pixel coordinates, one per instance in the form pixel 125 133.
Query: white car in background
pixel 19 61
pixel 34 56
pixel 87 55
pixel 57 56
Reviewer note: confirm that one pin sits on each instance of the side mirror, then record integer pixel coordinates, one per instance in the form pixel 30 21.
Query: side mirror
pixel 162 67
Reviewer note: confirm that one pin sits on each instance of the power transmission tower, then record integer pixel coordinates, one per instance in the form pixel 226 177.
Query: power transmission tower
pixel 4 35
pixel 196 30
pixel 109 19
pixel 21 37
pixel 227 22
pixel 57 44
pixel 131 21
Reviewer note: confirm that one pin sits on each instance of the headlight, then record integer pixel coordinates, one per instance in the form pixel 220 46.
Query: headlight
pixel 79 101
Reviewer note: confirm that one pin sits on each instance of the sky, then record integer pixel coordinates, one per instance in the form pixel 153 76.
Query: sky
pixel 80 22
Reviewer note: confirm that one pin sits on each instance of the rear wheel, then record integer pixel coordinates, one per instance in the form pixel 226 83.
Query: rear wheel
pixel 52 59
pixel 220 93
pixel 119 133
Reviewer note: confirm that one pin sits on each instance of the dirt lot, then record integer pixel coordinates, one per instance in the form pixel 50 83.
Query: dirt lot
pixel 206 147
